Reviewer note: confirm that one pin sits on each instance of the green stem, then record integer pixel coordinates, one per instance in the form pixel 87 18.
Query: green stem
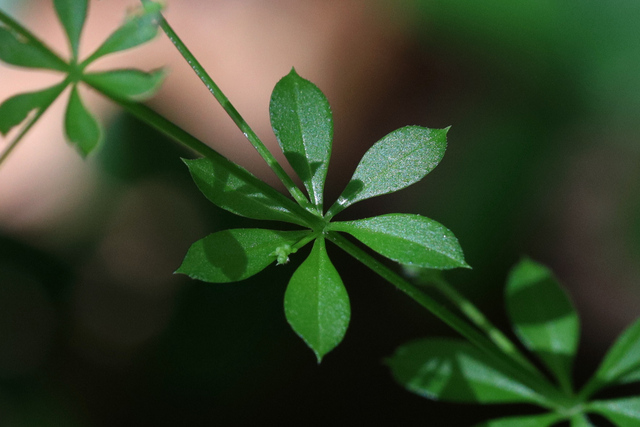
pixel 550 397
pixel 147 115
pixel 33 40
pixel 195 65
pixel 39 112
pixel 472 313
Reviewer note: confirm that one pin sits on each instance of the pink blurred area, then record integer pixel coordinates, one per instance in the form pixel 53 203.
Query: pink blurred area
pixel 348 48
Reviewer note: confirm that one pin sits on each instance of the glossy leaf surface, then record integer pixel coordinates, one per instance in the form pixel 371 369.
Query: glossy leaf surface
pixel 129 83
pixel 14 110
pixel 80 125
pixel 542 420
pixel 316 303
pixel 408 239
pixel 622 412
pixel 138 29
pixel 301 120
pixel 398 160
pixel 543 317
pixel 455 371
pixel 232 255
pixel 17 50
pixel 236 190
pixel 622 362
pixel 72 14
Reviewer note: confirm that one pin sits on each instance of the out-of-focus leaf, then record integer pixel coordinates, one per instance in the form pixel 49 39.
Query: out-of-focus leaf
pixel 408 239
pixel 316 303
pixel 622 412
pixel 14 110
pixel 455 371
pixel 138 29
pixel 622 362
pixel 17 50
pixel 239 192
pixel 80 125
pixel 543 317
pixel 129 83
pixel 233 255
pixel 398 160
pixel 542 420
pixel 580 420
pixel 72 14
pixel 302 122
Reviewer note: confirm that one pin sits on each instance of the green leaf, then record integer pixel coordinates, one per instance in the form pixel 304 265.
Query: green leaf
pixel 455 371
pixel 542 420
pixel 236 190
pixel 622 363
pixel 233 255
pixel 409 239
pixel 580 420
pixel 543 317
pixel 139 28
pixel 622 412
pixel 302 122
pixel 18 50
pixel 14 110
pixel 80 125
pixel 129 84
pixel 316 303
pixel 72 14
pixel 398 160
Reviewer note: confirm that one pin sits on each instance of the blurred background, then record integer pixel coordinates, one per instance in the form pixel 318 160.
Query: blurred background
pixel 543 160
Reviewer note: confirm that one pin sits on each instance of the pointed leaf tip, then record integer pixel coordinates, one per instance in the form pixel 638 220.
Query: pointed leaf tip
pixel 302 122
pixel 398 160
pixel 237 254
pixel 408 239
pixel 316 302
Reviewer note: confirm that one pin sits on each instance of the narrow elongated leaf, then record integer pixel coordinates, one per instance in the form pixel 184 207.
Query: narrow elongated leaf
pixel 408 239
pixel 622 412
pixel 17 50
pixel 398 160
pixel 14 110
pixel 543 317
pixel 302 122
pixel 542 420
pixel 316 303
pixel 138 29
pixel 80 125
pixel 233 255
pixel 622 362
pixel 455 371
pixel 72 14
pixel 241 193
pixel 129 83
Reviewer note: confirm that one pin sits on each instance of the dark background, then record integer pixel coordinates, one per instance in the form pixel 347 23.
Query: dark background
pixel 543 160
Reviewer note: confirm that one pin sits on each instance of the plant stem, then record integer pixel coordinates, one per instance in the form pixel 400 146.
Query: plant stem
pixel 472 313
pixel 155 120
pixel 195 65
pixel 550 397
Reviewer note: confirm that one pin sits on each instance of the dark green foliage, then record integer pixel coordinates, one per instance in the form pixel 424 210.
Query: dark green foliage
pixel 545 321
